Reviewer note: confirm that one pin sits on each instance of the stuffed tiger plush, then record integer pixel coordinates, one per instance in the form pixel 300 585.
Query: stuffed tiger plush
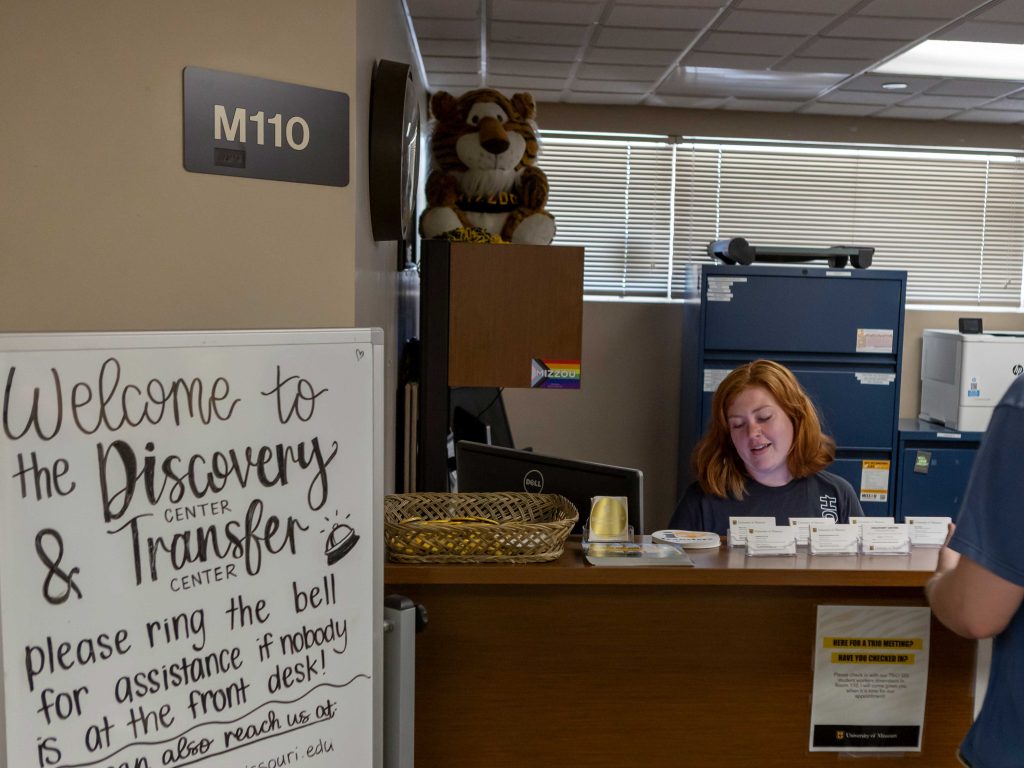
pixel 484 149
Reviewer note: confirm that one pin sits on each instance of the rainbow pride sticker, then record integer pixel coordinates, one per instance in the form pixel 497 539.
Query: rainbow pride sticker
pixel 554 374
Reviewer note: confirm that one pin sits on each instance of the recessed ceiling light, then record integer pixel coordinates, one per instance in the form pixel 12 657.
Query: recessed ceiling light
pixel 957 58
pixel 895 86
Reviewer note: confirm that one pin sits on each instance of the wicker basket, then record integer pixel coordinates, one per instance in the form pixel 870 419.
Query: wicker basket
pixel 477 527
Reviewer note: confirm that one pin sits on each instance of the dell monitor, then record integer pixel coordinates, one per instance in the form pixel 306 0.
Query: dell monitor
pixel 490 468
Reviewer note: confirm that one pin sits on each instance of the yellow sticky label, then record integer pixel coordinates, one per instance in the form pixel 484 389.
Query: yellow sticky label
pixel 873 658
pixel 875 643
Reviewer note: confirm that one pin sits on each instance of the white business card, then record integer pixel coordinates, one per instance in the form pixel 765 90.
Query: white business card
pixel 928 531
pixel 859 519
pixel 739 527
pixel 834 539
pixel 774 541
pixel 803 524
pixel 885 538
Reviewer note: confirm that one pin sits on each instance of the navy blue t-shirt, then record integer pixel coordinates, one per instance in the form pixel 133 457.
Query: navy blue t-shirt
pixel 822 495
pixel 989 531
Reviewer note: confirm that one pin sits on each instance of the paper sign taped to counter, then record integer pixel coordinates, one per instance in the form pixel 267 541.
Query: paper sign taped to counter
pixel 870 678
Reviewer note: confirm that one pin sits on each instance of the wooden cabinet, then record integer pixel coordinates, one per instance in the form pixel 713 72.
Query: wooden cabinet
pixel 486 313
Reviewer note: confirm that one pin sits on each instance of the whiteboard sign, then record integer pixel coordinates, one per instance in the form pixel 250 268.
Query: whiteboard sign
pixel 189 539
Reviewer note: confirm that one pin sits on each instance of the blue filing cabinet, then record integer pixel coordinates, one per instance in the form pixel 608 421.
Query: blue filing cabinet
pixel 934 466
pixel 839 330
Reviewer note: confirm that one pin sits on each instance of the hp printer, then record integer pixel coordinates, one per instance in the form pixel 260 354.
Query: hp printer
pixel 964 375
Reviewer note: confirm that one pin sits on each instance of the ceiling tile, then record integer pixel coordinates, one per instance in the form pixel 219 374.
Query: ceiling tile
pixel 879 98
pixel 987 88
pixel 622 37
pixel 715 4
pixel 610 86
pixel 744 84
pixel 985 32
pixel 585 97
pixel 446 29
pixel 515 82
pixel 1011 11
pixel 949 102
pixel 449 48
pixel 846 48
pixel 545 34
pixel 799 6
pixel 529 67
pixel 774 23
pixel 1006 105
pixel 542 98
pixel 882 28
pixel 510 50
pixel 734 42
pixel 873 82
pixel 452 81
pixel 662 18
pixel 545 11
pixel 729 61
pixel 452 64
pixel 445 9
pixel 640 56
pixel 844 110
pixel 839 66
pixel 909 113
pixel 988 116
pixel 766 55
pixel 685 102
pixel 927 9
pixel 619 72
pixel 762 105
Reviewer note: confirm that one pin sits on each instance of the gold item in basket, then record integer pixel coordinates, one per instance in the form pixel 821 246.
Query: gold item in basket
pixel 477 528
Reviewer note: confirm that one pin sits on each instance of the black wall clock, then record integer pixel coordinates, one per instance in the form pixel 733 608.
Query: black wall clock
pixel 394 151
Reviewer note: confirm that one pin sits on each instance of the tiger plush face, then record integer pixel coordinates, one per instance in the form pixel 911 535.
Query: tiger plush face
pixel 484 131
pixel 484 151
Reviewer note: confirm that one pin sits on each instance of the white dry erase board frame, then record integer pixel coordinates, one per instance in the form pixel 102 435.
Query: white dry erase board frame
pixel 190 549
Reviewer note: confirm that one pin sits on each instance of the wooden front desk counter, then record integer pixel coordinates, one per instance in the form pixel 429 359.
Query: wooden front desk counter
pixel 565 664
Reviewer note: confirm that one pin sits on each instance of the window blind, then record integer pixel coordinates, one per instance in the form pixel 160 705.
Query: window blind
pixel 645 208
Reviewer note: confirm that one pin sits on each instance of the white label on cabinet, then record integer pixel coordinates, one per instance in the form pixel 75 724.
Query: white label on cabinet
pixel 713 377
pixel 874 340
pixel 720 288
pixel 883 379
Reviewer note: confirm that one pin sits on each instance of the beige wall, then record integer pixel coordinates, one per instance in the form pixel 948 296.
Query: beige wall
pixel 627 411
pixel 101 228
pixel 915 322
pixel 382 34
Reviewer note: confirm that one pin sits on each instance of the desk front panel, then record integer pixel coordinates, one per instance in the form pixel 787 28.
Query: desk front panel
pixel 646 674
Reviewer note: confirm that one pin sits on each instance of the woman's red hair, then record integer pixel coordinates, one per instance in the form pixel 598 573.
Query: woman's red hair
pixel 717 466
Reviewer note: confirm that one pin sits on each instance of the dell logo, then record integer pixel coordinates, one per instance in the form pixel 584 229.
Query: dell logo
pixel 533 481
pixel 1018 369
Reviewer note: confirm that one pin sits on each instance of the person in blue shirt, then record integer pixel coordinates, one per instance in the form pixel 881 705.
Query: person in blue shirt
pixel 978 585
pixel 764 455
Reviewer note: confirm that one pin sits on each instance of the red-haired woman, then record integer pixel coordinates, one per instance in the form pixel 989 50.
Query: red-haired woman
pixel 764 454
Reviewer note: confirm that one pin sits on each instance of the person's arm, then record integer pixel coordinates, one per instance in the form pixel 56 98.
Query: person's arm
pixel 970 599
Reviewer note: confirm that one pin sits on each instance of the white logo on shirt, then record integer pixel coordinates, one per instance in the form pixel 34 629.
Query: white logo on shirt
pixel 828 507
